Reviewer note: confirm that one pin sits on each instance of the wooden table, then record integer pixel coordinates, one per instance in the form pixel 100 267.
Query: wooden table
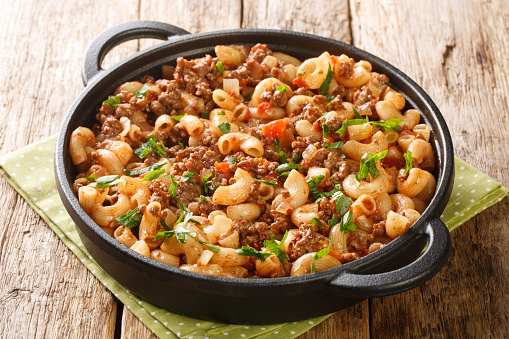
pixel 456 50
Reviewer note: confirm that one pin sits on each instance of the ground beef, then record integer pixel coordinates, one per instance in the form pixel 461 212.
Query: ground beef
pixel 300 144
pixel 188 192
pixel 281 223
pixel 111 127
pixel 382 78
pixel 336 104
pixel 316 159
pixel 303 91
pixel 311 113
pixel 378 231
pixel 358 242
pixel 275 97
pixel 306 241
pixel 252 71
pixel 205 208
pixel 258 168
pixel 252 233
pixel 347 257
pixel 338 166
pixel 254 194
pixel 364 100
pixel 200 77
pixel 325 213
pixel 159 193
pixel 344 68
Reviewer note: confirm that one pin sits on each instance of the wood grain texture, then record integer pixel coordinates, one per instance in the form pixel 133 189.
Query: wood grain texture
pixel 458 54
pixel 45 291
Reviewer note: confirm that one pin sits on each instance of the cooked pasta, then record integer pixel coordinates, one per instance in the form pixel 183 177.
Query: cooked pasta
pixel 255 164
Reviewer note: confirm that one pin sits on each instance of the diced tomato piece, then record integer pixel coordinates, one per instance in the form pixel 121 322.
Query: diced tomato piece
pixel 316 126
pixel 243 84
pixel 177 77
pixel 264 106
pixel 299 82
pixel 274 129
pixel 142 175
pixel 222 167
pixel 330 140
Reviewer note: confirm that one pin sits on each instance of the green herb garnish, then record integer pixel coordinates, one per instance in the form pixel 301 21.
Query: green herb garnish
pixel 153 175
pixel 276 145
pixel 232 160
pixel 334 145
pixel 106 181
pixel 325 131
pixel 268 182
pixel 152 144
pixel 248 251
pixel 113 101
pixel 368 165
pixel 91 177
pixel 221 113
pixel 142 92
pixel 313 185
pixel 131 218
pixel 408 159
pixel 297 158
pixel 203 199
pixel 220 67
pixel 187 177
pixel 281 88
pixel 324 87
pixel 301 73
pixel 319 255
pixel 287 167
pixel 145 169
pixel 208 187
pixel 391 125
pixel 178 117
pixel 205 115
pixel 276 248
pixel 224 127
pixel 346 225
pixel 351 122
pixel 316 221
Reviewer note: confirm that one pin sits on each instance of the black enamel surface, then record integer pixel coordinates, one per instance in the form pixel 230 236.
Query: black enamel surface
pixel 246 301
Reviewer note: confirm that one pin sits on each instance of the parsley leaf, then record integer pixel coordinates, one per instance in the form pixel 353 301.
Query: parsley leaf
pixel 113 101
pixel 268 182
pixel 341 202
pixel 368 165
pixel 333 222
pixel 220 67
pixel 131 218
pixel 319 255
pixel 334 145
pixel 142 92
pixel 205 115
pixel 178 117
pixel 325 131
pixel 248 251
pixel 281 88
pixel 163 223
pixel 152 144
pixel 232 160
pixel 357 115
pixel 276 248
pixel 249 96
pixel 221 113
pixel 282 157
pixel 276 145
pixel 211 247
pixel 224 127
pixel 153 175
pixel 181 145
pixel 207 187
pixel 106 181
pixel 145 169
pixel 324 87
pixel 346 225
pixel 391 125
pixel 301 73
pixel 313 185
pixel 316 221
pixel 287 167
pixel 408 159
pixel 91 177
pixel 297 158
pixel 351 122
pixel 203 199
pixel 172 190
pixel 187 177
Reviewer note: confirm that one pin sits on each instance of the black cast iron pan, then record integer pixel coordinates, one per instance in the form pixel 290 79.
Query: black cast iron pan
pixel 395 268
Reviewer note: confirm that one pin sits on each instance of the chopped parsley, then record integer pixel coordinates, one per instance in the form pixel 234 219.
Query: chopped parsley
pixel 203 199
pixel 268 182
pixel 106 181
pixel 297 158
pixel 181 237
pixel 172 190
pixel 163 223
pixel 408 159
pixel 301 73
pixel 249 96
pixel 282 157
pixel 91 177
pixel 248 251
pixel 142 92
pixel 281 88
pixel 316 221
pixel 287 167
pixel 313 185
pixel 351 122
pixel 208 187
pixel 368 165
pixel 319 255
pixel 224 127
pixel 324 87
pixel 276 248
pixel 205 115
pixel 178 117
pixel 145 169
pixel 232 160
pixel 334 145
pixel 131 218
pixel 276 145
pixel 221 113
pixel 391 125
pixel 220 67
pixel 346 225
pixel 357 115
pixel 187 177
pixel 152 144
pixel 181 145
pixel 325 131
pixel 153 175
pixel 113 101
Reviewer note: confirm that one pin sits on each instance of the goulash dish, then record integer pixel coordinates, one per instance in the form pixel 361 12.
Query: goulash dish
pixel 254 164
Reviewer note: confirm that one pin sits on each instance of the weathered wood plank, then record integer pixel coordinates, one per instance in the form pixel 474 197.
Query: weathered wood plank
pixel 458 54
pixel 45 292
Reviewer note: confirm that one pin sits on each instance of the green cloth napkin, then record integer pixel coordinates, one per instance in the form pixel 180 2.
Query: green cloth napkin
pixel 473 192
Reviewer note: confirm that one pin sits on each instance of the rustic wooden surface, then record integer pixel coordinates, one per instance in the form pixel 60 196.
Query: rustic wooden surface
pixel 456 50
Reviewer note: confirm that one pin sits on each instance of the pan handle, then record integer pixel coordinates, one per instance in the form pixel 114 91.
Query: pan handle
pixel 354 284
pixel 116 35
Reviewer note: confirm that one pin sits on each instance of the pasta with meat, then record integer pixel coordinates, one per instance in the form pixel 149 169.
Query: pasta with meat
pixel 255 164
